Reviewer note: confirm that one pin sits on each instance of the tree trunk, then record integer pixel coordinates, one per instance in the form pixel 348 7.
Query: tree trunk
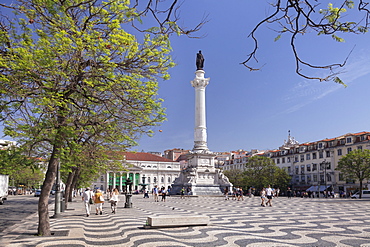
pixel 67 192
pixel 76 176
pixel 43 206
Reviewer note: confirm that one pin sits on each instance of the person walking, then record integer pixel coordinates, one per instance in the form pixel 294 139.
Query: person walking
pixel 114 200
pixel 86 198
pixel 155 193
pixel 182 193
pixel 99 200
pixel 289 193
pixel 146 193
pixel 164 194
pixel 269 194
pixel 263 197
pixel 188 191
pixel 240 194
pixel 226 193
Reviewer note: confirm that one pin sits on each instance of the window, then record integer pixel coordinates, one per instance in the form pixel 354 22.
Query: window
pixel 320 145
pixel 283 160
pixel 102 179
pixel 349 150
pixel 303 178
pixel 302 157
pixel 327 154
pixel 289 170
pixel 308 156
pixel 314 156
pixel 169 180
pixel 277 161
pixel 314 167
pixel 296 159
pixel 288 159
pixel 321 155
pixel 342 141
pixel 341 177
pixel 362 138
pixel 315 177
pixel 328 177
pixel 155 179
pixel 308 167
pixel 308 178
pixel 339 151
pixel 302 169
pixel 296 169
pixel 359 147
pixel 349 139
pixel 162 179
pixel 322 178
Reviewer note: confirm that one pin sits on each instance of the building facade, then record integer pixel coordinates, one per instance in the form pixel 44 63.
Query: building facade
pixel 312 165
pixel 142 168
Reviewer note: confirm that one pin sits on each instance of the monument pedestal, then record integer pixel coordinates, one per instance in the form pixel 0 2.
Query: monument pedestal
pixel 201 176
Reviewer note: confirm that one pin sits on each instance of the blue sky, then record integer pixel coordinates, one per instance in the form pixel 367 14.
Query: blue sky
pixel 254 110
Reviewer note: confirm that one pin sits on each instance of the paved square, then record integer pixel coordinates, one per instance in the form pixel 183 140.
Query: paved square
pixel 289 222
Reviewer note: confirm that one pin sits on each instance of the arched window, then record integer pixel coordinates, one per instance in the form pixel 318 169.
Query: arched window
pixel 148 179
pixel 155 179
pixel 169 179
pixel 162 179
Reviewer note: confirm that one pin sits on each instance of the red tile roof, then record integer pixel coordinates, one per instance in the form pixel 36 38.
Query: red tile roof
pixel 140 156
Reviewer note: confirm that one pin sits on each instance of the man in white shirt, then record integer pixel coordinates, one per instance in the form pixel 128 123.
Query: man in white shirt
pixel 86 195
pixel 269 193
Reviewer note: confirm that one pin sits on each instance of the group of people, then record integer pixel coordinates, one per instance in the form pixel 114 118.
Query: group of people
pixel 237 194
pixel 156 191
pixel 267 194
pixel 97 198
pixel 184 191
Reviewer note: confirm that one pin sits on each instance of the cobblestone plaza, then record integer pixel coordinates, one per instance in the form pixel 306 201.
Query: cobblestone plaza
pixel 289 222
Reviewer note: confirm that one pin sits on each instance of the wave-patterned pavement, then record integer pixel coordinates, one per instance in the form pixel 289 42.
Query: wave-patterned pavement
pixel 289 222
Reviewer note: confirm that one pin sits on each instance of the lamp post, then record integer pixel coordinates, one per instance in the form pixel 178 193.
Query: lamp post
pixel 143 180
pixel 128 195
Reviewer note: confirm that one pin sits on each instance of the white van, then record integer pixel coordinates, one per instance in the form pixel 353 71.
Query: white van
pixel 365 194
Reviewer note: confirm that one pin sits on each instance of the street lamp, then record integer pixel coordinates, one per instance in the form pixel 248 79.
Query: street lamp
pixel 325 164
pixel 128 195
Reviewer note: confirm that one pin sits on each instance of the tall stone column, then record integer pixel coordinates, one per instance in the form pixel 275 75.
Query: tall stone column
pixel 200 129
pixel 200 175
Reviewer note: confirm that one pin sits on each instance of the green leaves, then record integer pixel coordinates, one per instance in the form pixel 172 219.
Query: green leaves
pixel 355 164
pixel 77 76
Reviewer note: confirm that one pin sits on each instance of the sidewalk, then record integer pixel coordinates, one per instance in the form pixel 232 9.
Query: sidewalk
pixel 24 233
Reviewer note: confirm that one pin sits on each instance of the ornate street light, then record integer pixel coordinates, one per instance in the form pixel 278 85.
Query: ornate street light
pixel 128 194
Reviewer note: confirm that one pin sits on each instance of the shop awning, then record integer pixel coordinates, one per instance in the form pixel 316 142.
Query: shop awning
pixel 314 188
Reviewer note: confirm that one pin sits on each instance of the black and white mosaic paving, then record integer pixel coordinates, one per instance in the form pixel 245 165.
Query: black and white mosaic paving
pixel 289 222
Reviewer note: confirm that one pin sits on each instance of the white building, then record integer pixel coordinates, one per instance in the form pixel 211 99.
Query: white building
pixel 155 170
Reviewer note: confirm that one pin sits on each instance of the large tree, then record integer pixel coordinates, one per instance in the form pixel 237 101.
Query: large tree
pixel 259 172
pixel 262 171
pixel 355 166
pixel 70 72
